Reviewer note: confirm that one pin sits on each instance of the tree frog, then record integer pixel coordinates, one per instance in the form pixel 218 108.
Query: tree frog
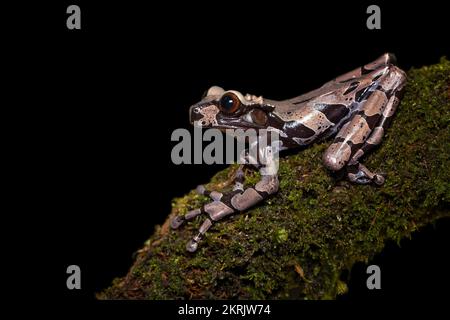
pixel 356 108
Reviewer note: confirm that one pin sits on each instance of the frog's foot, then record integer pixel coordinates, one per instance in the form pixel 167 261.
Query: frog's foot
pixel 214 195
pixel 180 219
pixel 177 222
pixel 192 245
pixel 358 173
pixel 226 204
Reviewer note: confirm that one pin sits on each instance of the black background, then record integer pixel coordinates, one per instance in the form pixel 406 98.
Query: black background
pixel 113 92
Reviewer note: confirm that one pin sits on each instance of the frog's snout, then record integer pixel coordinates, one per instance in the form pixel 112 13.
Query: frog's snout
pixel 194 114
pixel 203 115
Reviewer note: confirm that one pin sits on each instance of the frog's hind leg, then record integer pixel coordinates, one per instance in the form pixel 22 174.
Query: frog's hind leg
pixel 356 171
pixel 384 60
pixel 366 128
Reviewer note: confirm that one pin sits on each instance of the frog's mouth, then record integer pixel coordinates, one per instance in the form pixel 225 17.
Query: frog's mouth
pixel 208 115
pixel 194 115
pixel 236 123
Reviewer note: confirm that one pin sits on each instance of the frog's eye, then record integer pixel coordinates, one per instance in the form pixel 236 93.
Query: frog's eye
pixel 229 103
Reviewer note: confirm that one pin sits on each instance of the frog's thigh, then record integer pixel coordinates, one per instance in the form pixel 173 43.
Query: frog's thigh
pixel 350 138
pixel 384 60
pixel 354 133
pixel 369 121
pixel 356 171
pixel 379 131
pixel 392 87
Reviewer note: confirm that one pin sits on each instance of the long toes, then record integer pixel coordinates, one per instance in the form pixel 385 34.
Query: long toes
pixel 177 222
pixel 363 181
pixel 200 189
pixel 378 179
pixel 191 246
pixel 360 179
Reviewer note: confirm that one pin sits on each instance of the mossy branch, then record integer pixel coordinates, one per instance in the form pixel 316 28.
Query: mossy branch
pixel 297 244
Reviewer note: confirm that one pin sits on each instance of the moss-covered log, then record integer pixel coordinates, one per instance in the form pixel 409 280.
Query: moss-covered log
pixel 297 244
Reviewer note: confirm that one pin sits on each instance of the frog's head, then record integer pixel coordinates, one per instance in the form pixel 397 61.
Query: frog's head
pixel 230 110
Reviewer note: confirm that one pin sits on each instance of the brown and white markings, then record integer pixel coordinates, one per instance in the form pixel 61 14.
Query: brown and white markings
pixel 356 108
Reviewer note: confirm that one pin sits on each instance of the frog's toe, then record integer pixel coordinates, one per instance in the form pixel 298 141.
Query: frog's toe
pixel 358 173
pixel 215 195
pixel 362 180
pixel 200 189
pixel 177 222
pixel 379 179
pixel 191 246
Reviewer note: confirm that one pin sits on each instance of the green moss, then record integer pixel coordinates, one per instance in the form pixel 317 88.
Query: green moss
pixel 297 244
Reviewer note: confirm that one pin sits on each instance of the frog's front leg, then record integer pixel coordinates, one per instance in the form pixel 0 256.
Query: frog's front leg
pixel 366 128
pixel 238 180
pixel 225 204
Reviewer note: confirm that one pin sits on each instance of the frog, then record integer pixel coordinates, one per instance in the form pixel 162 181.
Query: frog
pixel 354 110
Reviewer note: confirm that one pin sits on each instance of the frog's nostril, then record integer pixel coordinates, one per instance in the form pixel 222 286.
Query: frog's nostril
pixel 195 114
